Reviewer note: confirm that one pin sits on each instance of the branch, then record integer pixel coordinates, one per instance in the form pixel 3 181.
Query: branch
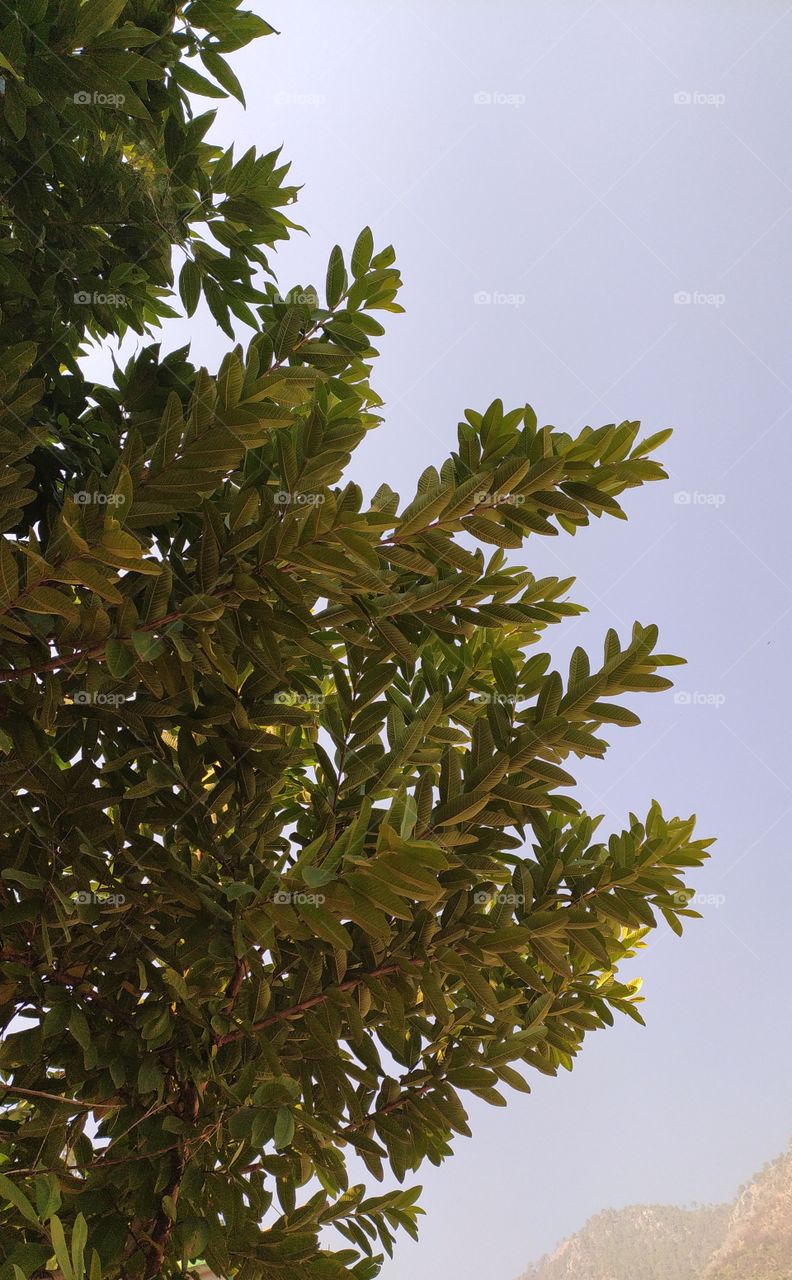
pixel 54 1097
pixel 99 1163
pixel 163 1225
pixel 384 1111
pixel 295 1010
pixel 360 1124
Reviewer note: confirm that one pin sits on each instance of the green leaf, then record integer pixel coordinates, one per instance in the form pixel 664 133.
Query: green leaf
pixel 361 254
pixel 149 1078
pixel 79 1241
pixel 288 332
pixel 191 80
pixel 219 68
pixel 96 16
pixel 8 66
pixel 9 574
pixel 78 1026
pixel 147 646
pixel 120 658
pixel 284 1128
pixel 48 1195
pixel 48 600
pixel 336 278
pixel 59 1246
pixel 14 110
pixel 190 286
pixel 217 305
pixel 325 926
pixel 12 1194
pixel 316 877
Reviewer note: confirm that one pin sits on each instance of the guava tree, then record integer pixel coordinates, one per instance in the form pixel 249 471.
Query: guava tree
pixel 291 858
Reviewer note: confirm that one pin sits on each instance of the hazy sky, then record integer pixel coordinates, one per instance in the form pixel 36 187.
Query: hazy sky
pixel 622 154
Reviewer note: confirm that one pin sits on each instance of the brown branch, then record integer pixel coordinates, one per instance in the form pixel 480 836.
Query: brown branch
pixel 360 1124
pixel 295 1010
pixel 54 1097
pixel 163 1225
pixel 90 651
pixel 384 1111
pixel 99 1163
pixel 241 969
pixel 66 980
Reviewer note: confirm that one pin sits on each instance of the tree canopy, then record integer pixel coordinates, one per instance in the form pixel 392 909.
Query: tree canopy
pixel 291 863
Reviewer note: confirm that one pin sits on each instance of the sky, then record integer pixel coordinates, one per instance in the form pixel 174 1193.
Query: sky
pixel 591 204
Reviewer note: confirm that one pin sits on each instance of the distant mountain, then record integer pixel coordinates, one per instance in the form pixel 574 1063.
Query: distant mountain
pixel 758 1244
pixel 748 1240
pixel 644 1242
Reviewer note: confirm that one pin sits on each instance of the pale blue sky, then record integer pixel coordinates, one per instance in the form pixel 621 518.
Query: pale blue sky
pixel 595 197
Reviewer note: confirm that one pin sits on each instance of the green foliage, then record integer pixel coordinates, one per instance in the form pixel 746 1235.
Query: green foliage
pixel 271 752
pixel 105 171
